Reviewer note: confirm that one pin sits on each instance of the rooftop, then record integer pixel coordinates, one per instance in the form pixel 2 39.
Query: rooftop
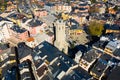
pixel 16 16
pixel 35 22
pixel 46 49
pixel 4 46
pixel 98 68
pixel 77 74
pixel 25 71
pixel 91 55
pixel 83 4
pixel 46 54
pixel 112 27
pixel 49 19
pixel 23 50
pixel 59 66
pixel 18 29
pixel 105 58
pixel 100 44
pixel 115 74
pixel 41 70
pixel 117 52
pixel 113 45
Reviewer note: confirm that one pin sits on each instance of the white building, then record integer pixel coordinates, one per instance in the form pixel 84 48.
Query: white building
pixel 78 56
pixel 4 32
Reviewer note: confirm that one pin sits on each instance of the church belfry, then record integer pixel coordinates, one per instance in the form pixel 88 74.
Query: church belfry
pixel 60 35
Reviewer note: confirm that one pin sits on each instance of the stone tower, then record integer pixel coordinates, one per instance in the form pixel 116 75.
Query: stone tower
pixel 60 41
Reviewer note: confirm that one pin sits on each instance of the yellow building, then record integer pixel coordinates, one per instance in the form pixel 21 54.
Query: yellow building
pixel 65 16
pixel 74 32
pixel 112 31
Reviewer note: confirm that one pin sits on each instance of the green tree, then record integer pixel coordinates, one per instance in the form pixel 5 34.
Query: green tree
pixel 115 8
pixel 95 28
pixel 68 1
pixel 93 1
pixel 3 5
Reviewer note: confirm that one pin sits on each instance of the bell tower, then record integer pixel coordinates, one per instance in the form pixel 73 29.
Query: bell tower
pixel 60 41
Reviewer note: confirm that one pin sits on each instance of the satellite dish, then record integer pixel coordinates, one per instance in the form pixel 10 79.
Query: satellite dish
pixel 36 58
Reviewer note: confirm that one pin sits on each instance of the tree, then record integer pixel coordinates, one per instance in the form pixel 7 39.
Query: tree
pixel 68 1
pixel 93 1
pixel 3 5
pixel 95 28
pixel 116 8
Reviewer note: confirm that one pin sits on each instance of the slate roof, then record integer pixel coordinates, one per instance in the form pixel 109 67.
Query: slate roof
pixel 4 46
pixel 50 53
pixel 100 44
pixel 82 73
pixel 91 55
pixel 115 75
pixel 59 66
pixel 101 65
pixel 117 52
pixel 77 74
pixel 50 4
pixel 83 4
pixel 35 22
pixel 112 27
pixel 98 68
pixel 105 58
pixel 18 29
pixel 26 75
pixel 23 50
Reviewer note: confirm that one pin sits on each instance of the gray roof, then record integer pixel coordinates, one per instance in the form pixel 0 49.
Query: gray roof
pixel 105 58
pixel 115 75
pixel 91 55
pixel 50 51
pixel 58 66
pixel 85 4
pixel 77 74
pixel 35 22
pixel 112 27
pixel 49 4
pixel 62 62
pixel 82 73
pixel 100 44
pixel 101 64
pixel 117 52
pixel 113 45
pixel 49 19
pixel 46 77
pixel 24 9
pixel 98 68
pixel 4 46
pixel 23 50
pixel 27 74
pixel 18 29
